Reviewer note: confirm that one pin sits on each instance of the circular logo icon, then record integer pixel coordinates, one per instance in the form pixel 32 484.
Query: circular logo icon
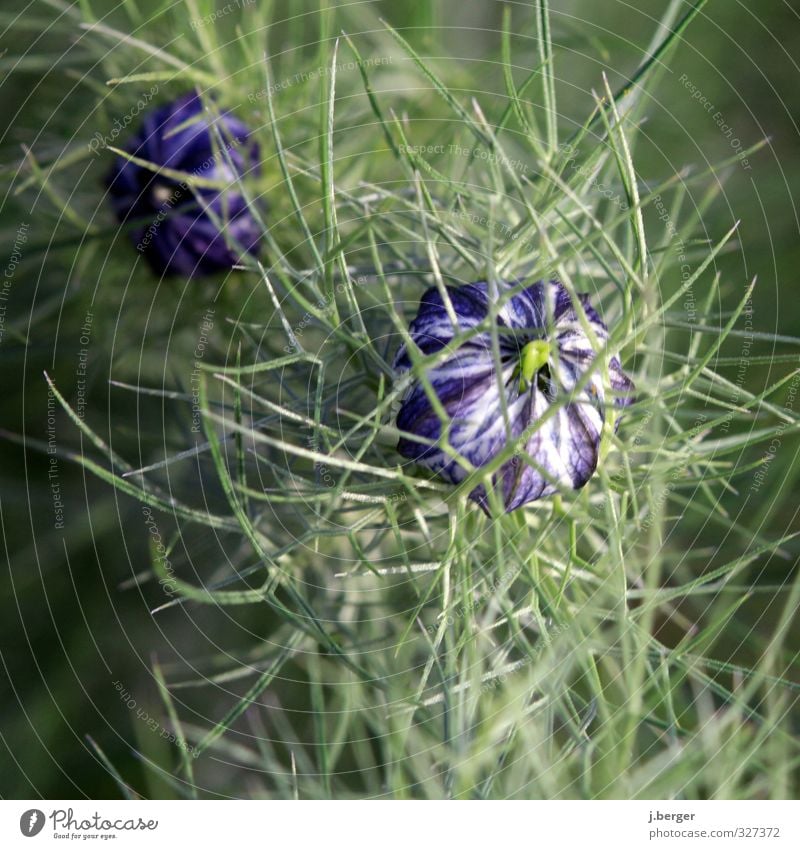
pixel 31 822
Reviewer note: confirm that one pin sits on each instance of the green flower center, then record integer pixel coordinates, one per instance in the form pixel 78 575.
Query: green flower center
pixel 533 358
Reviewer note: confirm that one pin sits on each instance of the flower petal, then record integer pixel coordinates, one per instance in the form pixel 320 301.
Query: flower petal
pixel 177 228
pixel 557 448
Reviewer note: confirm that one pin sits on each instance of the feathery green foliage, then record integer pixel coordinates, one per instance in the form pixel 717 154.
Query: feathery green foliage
pixel 398 642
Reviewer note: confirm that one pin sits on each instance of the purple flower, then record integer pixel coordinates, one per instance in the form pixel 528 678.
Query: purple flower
pixel 544 352
pixel 178 227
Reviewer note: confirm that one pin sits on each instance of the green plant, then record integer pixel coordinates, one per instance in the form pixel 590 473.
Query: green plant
pixel 399 642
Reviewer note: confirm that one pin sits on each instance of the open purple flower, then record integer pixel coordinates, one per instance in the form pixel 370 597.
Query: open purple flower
pixel 544 352
pixel 179 227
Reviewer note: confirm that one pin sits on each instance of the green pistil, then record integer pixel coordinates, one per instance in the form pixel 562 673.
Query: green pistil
pixel 533 357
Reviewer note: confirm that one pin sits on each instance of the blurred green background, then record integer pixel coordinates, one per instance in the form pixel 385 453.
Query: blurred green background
pixel 70 627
